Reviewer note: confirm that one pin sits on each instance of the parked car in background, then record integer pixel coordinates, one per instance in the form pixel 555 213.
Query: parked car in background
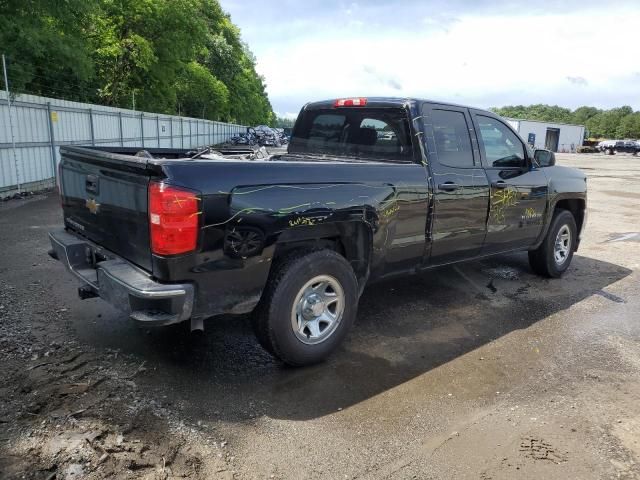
pixel 632 146
pixel 611 147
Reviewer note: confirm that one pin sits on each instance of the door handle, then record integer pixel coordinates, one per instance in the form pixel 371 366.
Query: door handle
pixel 499 184
pixel 448 186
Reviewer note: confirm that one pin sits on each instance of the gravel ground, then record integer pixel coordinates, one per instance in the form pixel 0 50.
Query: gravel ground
pixel 479 371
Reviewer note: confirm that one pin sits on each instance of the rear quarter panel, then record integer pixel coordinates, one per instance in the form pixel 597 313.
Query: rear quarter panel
pixel 284 201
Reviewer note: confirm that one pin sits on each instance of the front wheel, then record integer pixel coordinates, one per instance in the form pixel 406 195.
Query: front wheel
pixel 308 307
pixel 553 256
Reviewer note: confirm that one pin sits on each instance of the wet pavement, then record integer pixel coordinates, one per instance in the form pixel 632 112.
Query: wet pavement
pixel 480 370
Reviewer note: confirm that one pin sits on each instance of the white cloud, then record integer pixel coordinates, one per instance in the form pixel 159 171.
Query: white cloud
pixel 289 115
pixel 571 59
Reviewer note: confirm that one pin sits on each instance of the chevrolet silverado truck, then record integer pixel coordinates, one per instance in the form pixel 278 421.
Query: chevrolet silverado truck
pixel 170 236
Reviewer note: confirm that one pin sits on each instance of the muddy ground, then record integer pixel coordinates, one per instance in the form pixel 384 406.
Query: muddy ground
pixel 476 371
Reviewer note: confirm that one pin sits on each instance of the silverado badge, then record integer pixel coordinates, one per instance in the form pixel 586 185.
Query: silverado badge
pixel 92 205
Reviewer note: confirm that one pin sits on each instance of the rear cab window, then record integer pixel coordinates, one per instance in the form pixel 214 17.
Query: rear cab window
pixel 452 141
pixel 381 134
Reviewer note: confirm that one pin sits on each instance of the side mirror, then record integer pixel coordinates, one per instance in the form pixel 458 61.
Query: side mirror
pixel 544 158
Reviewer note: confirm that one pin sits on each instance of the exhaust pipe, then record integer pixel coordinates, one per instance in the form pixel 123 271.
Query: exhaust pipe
pixel 86 291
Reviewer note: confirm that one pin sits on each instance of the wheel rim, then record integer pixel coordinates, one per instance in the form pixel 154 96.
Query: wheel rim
pixel 562 246
pixel 317 310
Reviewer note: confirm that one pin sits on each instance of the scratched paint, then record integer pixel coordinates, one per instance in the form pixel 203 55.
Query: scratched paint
pixel 390 211
pixel 302 221
pixel 311 204
pixel 500 201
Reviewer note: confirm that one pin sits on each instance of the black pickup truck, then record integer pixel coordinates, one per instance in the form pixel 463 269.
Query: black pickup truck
pixel 611 147
pixel 169 236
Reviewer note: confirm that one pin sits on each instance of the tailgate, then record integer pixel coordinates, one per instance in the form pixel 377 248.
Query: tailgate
pixel 104 198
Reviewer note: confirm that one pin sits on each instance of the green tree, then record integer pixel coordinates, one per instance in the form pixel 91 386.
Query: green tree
pixel 232 62
pixel 595 125
pixel 606 123
pixel 619 122
pixel 549 113
pixel 45 46
pixel 629 126
pixel 582 114
pixel 142 46
pixel 173 55
pixel 200 94
pixel 282 122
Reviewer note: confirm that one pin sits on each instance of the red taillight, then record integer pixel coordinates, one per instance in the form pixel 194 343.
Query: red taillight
pixel 173 219
pixel 350 102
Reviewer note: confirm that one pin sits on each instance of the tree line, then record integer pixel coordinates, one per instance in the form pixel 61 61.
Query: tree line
pixel 181 57
pixel 616 123
pixel 283 122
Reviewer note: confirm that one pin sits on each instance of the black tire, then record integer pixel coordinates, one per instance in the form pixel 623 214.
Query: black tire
pixel 542 260
pixel 272 320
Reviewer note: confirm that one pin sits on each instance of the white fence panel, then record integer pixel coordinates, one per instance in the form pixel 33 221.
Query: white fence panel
pixel 71 126
pixel 41 125
pixel 30 124
pixel 132 131
pixel 106 128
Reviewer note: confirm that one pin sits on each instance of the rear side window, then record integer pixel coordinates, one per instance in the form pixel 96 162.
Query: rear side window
pixel 502 147
pixel 451 134
pixel 325 128
pixel 376 133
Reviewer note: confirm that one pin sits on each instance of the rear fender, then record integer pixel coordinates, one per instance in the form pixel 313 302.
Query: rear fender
pixel 353 240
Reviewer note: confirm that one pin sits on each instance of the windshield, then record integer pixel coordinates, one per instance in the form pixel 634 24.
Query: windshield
pixel 377 133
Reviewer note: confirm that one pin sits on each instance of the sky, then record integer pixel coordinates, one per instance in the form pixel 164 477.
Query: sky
pixel 484 53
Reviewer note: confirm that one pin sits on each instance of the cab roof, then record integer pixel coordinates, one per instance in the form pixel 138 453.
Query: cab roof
pixel 383 102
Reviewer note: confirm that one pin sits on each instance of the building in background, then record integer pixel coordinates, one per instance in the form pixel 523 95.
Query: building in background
pixel 557 137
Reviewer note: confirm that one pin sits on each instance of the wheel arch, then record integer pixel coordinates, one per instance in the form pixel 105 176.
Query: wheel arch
pixel 352 240
pixel 576 205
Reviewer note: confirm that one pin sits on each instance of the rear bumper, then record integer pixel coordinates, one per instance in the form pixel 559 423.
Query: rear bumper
pixel 120 283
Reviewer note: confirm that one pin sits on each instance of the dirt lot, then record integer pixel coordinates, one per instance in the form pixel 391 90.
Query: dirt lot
pixel 479 371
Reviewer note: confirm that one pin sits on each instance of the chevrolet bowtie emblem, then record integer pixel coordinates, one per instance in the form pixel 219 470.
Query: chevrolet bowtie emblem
pixel 92 205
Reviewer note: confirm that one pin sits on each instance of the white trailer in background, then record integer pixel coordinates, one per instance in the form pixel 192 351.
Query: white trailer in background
pixel 557 137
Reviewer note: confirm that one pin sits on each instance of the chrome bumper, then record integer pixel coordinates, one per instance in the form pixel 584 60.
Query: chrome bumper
pixel 123 285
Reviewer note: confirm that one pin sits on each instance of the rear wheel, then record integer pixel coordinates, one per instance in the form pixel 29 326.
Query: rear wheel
pixel 307 308
pixel 553 256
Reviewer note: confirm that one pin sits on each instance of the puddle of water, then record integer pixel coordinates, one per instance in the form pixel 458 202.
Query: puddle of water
pixel 505 273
